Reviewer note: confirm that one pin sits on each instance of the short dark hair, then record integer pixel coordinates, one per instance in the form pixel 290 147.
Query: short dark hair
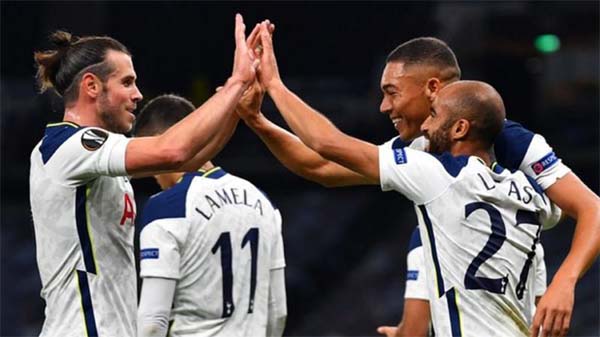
pixel 161 113
pixel 429 51
pixel 61 68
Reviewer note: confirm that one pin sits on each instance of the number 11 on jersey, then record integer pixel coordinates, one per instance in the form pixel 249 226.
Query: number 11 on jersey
pixel 224 245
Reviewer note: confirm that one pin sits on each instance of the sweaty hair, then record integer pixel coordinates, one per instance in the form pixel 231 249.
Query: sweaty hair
pixel 428 51
pixel 62 68
pixel 481 105
pixel 161 113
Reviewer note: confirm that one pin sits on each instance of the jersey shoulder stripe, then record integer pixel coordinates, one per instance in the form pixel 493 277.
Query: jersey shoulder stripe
pixel 398 143
pixel 511 144
pixel 83 230
pixel 455 324
pixel 452 164
pixel 438 270
pixel 86 304
pixel 415 240
pixel 169 203
pixel 54 136
pixel 214 173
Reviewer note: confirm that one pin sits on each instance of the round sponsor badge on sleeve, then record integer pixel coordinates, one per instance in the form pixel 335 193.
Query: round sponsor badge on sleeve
pixel 93 139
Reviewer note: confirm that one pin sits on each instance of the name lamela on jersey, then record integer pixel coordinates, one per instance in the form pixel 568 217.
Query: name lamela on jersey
pixel 214 201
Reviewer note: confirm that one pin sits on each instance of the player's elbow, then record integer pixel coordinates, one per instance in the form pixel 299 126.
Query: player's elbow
pixel 329 182
pixel 322 175
pixel 323 145
pixel 149 330
pixel 589 210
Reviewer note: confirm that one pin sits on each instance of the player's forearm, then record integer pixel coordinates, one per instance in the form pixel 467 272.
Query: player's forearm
pixel 412 330
pixel 585 246
pixel 289 150
pixel 214 146
pixel 299 158
pixel 578 201
pixel 319 134
pixel 196 130
pixel 316 131
pixel 170 150
pixel 415 319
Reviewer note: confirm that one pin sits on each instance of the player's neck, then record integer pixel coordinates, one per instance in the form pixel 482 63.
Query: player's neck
pixel 168 180
pixel 82 114
pixel 471 149
pixel 207 166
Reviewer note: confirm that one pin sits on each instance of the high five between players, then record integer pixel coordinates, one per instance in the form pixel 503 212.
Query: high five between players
pixel 414 76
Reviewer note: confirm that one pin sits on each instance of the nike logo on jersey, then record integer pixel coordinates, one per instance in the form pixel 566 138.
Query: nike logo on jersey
pixel 93 139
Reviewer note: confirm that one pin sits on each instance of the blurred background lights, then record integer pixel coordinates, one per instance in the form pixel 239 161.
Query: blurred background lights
pixel 547 43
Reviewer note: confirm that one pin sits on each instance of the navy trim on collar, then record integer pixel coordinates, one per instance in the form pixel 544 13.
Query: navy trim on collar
pixel 54 136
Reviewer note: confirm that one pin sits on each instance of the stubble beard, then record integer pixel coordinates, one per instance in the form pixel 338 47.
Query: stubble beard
pixel 439 142
pixel 108 115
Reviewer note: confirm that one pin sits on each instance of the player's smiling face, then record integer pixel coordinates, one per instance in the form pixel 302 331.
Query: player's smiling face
pixel 404 99
pixel 120 94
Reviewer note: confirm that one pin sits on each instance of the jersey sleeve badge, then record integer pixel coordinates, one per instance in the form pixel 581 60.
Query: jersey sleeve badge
pixel 93 139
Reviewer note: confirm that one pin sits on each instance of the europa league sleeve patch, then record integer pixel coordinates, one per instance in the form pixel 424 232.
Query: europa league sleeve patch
pixel 93 139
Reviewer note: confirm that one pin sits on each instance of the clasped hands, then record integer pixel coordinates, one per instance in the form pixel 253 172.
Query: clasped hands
pixel 254 65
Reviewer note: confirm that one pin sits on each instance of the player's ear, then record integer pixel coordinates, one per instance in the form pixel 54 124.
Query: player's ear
pixel 460 129
pixel 90 85
pixel 432 87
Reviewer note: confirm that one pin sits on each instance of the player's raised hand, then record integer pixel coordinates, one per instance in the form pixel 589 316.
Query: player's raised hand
pixel 268 73
pixel 388 331
pixel 244 62
pixel 253 40
pixel 249 105
pixel 553 312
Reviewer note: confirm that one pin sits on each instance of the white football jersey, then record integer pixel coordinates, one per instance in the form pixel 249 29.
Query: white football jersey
pixel 416 280
pixel 83 213
pixel 516 148
pixel 479 229
pixel 219 237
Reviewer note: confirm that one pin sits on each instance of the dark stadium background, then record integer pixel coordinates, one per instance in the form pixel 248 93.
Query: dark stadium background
pixel 345 247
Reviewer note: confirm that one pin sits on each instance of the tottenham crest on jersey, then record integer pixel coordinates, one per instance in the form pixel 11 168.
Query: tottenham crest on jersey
pixel 93 139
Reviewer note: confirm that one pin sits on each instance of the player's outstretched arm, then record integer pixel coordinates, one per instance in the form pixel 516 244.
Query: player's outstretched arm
pixel 553 314
pixel 184 140
pixel 316 131
pixel 289 150
pixel 224 133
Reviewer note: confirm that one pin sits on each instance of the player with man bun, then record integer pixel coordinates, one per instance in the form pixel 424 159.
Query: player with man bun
pixel 81 199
